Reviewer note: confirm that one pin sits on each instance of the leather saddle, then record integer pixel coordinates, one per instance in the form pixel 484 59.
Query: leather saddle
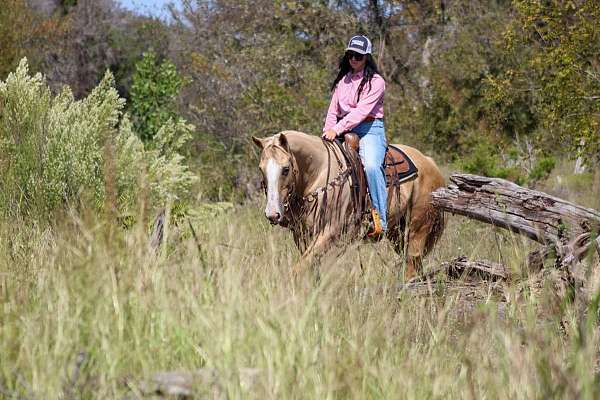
pixel 397 165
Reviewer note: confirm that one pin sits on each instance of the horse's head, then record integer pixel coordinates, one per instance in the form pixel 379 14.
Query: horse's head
pixel 279 170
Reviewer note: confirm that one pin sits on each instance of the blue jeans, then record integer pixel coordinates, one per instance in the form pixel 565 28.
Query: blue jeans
pixel 372 152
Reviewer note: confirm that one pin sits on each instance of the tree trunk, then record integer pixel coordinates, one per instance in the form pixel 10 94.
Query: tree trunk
pixel 567 228
pixel 537 215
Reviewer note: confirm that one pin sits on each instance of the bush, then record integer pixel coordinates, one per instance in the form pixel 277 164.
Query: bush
pixel 153 94
pixel 507 162
pixel 218 168
pixel 485 160
pixel 542 169
pixel 57 151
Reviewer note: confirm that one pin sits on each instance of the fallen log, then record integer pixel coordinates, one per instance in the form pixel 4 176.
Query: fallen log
pixel 535 259
pixel 462 268
pixel 195 383
pixel 537 215
pixel 564 228
pixel 459 275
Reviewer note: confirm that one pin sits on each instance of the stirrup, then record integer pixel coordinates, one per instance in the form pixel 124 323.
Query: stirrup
pixel 377 231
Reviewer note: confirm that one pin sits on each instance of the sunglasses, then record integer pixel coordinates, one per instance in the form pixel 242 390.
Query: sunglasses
pixel 352 54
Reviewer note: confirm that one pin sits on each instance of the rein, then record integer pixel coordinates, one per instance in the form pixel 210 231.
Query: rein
pixel 301 203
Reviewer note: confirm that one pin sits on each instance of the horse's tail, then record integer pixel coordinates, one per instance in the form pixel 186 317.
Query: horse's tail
pixel 436 216
pixel 437 220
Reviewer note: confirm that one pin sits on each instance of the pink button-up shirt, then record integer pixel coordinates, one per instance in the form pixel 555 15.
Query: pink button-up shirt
pixel 343 103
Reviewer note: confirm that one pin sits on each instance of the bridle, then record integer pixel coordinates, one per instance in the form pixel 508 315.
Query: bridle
pixel 302 204
pixel 290 187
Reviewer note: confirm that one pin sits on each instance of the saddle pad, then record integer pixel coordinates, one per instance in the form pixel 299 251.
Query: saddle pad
pixel 398 166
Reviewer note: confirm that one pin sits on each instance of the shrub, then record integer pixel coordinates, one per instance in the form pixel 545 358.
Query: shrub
pixel 510 162
pixel 55 150
pixel 542 169
pixel 153 95
pixel 485 160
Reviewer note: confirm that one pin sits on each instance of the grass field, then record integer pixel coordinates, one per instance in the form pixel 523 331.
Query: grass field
pixel 87 312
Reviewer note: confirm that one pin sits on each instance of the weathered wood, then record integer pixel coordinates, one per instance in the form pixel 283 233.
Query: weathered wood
pixel 537 215
pixel 535 259
pixel 461 267
pixel 196 383
pixel 565 229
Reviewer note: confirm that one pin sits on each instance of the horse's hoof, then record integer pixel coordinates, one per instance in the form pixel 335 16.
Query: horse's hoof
pixel 376 236
pixel 410 274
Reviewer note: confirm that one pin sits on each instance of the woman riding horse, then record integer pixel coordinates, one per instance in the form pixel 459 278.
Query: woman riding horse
pixel 309 190
pixel 357 106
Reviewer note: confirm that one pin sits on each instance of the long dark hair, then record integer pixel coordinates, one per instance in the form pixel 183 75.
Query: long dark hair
pixel 369 71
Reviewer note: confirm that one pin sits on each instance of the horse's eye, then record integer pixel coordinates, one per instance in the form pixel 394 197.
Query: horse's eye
pixel 285 171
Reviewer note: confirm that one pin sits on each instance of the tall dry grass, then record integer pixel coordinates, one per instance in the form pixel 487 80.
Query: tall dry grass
pixel 82 316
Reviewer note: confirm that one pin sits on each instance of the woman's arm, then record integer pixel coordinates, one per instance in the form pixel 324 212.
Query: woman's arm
pixel 331 117
pixel 366 104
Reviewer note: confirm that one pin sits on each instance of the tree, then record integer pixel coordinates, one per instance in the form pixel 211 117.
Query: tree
pixel 25 32
pixel 557 44
pixel 153 95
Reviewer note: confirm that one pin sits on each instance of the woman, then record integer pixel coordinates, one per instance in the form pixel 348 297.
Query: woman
pixel 357 106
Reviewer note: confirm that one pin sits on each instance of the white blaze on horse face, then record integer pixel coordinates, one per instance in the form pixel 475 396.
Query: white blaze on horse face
pixel 273 172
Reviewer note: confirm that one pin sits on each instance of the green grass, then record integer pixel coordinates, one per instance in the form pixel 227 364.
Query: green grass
pixel 89 313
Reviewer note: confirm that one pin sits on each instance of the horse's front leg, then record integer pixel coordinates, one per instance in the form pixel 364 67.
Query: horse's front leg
pixel 320 245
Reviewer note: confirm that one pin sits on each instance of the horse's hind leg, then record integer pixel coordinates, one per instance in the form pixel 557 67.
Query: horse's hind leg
pixel 421 228
pixel 396 237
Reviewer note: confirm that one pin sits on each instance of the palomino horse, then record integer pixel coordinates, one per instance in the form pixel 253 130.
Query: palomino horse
pixel 308 189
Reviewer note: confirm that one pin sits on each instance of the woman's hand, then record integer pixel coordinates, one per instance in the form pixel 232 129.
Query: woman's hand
pixel 329 134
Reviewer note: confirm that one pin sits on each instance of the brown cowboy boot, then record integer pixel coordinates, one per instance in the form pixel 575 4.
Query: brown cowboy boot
pixel 377 229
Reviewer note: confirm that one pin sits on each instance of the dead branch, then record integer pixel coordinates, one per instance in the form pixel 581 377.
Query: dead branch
pixel 563 227
pixel 535 214
pixel 462 268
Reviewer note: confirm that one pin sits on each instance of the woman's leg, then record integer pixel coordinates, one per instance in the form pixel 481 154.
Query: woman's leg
pixel 372 153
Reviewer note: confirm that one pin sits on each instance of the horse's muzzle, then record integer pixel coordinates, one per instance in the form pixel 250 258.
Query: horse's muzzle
pixel 274 218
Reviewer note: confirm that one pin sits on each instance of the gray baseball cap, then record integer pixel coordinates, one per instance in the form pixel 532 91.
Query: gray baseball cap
pixel 360 44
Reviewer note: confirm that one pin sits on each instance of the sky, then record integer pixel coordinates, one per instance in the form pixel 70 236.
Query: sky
pixel 155 8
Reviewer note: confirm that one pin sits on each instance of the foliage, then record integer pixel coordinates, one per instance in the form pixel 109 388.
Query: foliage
pixel 57 151
pixel 93 36
pixel 485 160
pixel 25 32
pixel 137 36
pixel 507 163
pixel 11 40
pixel 218 166
pixel 557 44
pixel 519 76
pixel 154 93
pixel 542 169
pixel 256 68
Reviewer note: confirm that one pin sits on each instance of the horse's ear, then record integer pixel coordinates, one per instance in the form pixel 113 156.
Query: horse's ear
pixel 258 142
pixel 283 142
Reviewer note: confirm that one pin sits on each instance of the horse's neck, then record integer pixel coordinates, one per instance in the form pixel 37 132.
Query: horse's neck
pixel 313 159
